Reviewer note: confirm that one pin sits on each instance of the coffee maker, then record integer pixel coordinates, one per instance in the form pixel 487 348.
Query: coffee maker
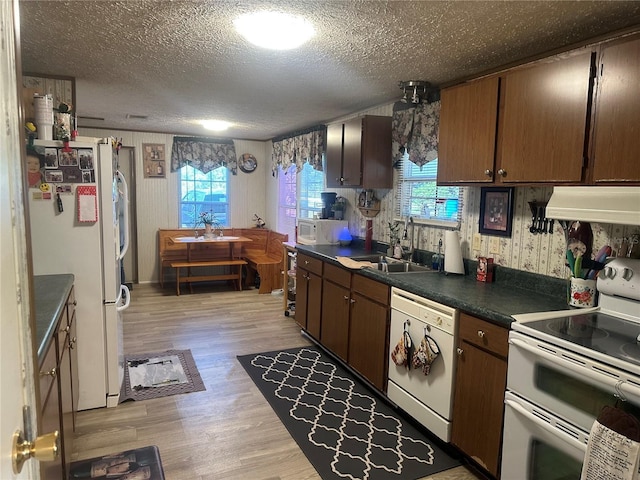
pixel 328 200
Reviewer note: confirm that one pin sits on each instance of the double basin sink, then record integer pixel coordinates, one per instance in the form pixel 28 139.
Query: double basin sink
pixel 393 265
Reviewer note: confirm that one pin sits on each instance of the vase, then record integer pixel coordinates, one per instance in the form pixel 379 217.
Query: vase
pixel 207 230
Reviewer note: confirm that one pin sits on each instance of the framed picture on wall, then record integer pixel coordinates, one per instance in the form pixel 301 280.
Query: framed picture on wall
pixel 153 160
pixel 496 210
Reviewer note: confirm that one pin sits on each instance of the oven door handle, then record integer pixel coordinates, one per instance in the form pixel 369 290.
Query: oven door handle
pixel 545 426
pixel 616 384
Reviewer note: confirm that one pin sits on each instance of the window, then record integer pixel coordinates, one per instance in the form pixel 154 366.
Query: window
pixel 287 201
pixel 200 192
pixel 420 197
pixel 311 184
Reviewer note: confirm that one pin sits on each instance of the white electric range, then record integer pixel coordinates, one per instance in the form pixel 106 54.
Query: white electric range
pixel 563 368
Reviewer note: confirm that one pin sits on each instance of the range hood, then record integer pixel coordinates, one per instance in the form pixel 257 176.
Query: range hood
pixel 619 205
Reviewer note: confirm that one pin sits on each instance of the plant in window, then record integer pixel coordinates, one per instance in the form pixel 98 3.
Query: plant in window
pixel 394 236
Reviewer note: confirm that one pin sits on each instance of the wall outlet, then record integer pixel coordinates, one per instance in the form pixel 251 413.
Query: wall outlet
pixel 494 245
pixel 477 240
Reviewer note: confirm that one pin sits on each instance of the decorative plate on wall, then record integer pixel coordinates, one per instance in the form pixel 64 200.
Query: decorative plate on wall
pixel 247 163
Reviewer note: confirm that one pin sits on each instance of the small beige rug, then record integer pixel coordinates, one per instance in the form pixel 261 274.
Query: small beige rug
pixel 154 375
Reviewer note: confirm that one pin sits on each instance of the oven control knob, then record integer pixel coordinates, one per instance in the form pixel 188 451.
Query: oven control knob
pixel 609 272
pixel 627 273
pixel 438 321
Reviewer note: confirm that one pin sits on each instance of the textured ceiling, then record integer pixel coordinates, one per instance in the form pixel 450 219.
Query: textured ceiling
pixel 181 61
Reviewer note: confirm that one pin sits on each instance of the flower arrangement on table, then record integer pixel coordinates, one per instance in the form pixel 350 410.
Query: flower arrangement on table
pixel 209 220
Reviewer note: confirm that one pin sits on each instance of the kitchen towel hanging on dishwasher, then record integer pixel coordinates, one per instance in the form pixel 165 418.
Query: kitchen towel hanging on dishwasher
pixel 402 352
pixel 425 354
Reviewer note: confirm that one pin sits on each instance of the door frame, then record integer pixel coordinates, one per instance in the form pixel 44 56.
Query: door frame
pixel 17 319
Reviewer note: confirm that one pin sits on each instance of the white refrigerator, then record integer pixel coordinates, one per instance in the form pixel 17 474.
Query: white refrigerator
pixel 80 227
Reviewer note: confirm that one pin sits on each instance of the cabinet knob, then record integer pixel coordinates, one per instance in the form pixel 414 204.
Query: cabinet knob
pixel 51 373
pixel 459 351
pixel 72 342
pixel 306 262
pixel 66 329
pixel 75 303
pixel 346 297
pixel 488 173
pixel 502 172
pixel 480 333
pixel 352 301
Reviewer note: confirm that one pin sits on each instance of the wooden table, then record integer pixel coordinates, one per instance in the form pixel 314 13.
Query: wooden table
pixel 233 259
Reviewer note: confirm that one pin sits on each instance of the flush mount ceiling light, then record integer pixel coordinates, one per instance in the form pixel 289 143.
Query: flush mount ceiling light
pixel 274 30
pixel 215 125
pixel 413 90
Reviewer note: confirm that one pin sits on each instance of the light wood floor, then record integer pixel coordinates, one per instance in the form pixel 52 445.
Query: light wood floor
pixel 228 431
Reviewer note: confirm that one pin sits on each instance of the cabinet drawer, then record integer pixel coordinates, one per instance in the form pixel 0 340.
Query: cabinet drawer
pixel 310 264
pixel 484 334
pixel 337 275
pixel 372 289
pixel 48 372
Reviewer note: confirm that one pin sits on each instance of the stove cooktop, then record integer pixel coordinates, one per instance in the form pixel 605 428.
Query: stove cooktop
pixel 596 331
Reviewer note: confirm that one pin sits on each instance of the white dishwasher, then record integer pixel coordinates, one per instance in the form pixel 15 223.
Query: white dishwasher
pixel 427 398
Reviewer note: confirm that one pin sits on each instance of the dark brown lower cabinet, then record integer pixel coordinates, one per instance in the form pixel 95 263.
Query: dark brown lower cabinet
pixel 481 378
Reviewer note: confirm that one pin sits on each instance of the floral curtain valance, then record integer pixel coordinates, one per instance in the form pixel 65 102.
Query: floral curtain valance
pixel 415 130
pixel 204 154
pixel 298 148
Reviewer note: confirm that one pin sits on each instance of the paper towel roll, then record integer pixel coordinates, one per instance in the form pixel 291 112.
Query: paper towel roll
pixel 452 253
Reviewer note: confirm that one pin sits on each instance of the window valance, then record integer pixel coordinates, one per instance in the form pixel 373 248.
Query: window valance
pixel 415 130
pixel 298 148
pixel 204 154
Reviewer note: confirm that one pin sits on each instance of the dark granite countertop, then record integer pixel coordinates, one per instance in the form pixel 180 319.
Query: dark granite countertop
pixel 512 293
pixel 50 293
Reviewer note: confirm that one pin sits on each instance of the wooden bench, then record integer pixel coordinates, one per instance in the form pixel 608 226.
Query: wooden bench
pixel 237 275
pixel 263 255
pixel 266 262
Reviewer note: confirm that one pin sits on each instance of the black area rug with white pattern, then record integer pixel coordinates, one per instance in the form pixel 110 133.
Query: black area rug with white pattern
pixel 160 374
pixel 344 429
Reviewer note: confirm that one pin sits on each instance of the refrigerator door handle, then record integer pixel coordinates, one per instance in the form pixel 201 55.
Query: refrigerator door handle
pixel 124 290
pixel 125 200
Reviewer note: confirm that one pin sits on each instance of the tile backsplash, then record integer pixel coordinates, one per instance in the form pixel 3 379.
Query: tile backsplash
pixel 542 254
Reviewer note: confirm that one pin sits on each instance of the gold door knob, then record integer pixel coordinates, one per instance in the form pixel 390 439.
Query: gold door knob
pixel 45 448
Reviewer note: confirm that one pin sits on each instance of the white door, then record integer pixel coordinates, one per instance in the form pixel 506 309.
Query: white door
pixel 16 368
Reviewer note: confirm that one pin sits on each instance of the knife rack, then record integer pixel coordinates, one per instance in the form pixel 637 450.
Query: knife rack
pixel 540 224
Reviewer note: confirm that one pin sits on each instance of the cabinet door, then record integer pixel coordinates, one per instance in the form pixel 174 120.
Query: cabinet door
pixel 616 143
pixel 481 379
pixel 335 318
pixel 352 153
pixel 50 410
pixel 333 156
pixel 467 132
pixel 368 330
pixel 377 161
pixel 66 396
pixel 302 290
pixel 543 121
pixel 314 304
